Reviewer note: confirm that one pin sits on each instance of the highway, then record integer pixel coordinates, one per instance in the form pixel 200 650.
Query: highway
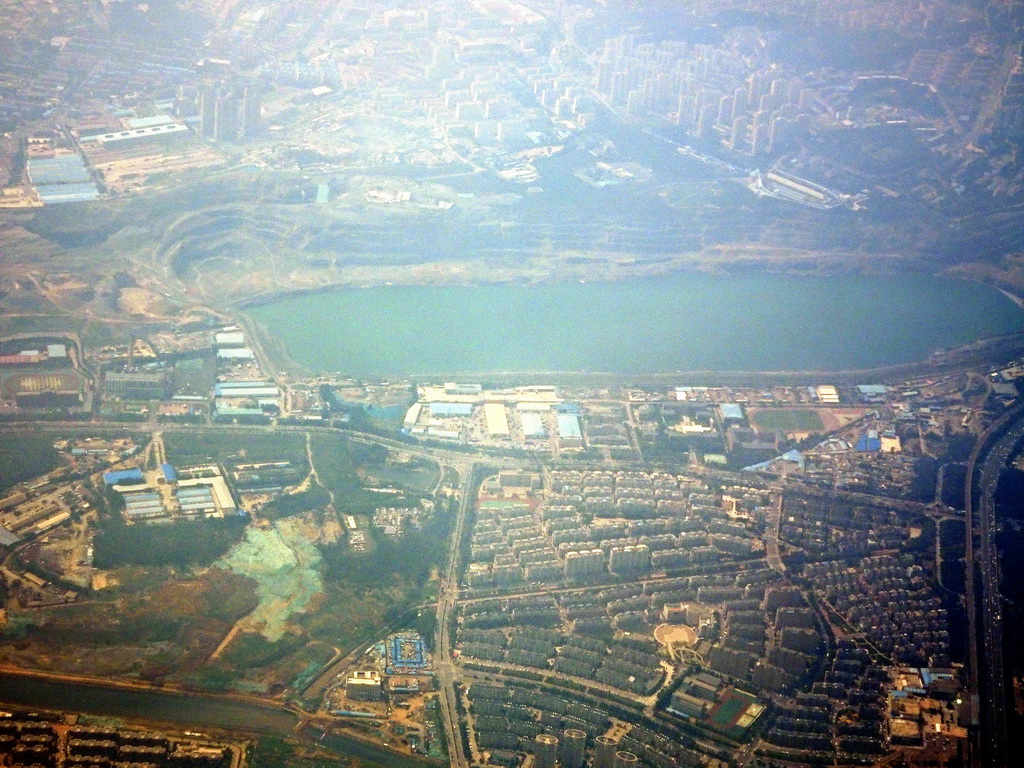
pixel 985 648
pixel 440 455
pixel 447 599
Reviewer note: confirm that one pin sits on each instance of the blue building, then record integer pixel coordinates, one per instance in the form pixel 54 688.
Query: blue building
pixel 62 179
pixel 733 411
pixel 569 426
pixel 406 654
pixel 447 410
pixel 123 476
pixel 869 442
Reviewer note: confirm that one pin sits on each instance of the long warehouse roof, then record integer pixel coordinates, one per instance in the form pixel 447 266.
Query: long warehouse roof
pixel 533 424
pixel 497 419
pixel 569 425
pixel 451 409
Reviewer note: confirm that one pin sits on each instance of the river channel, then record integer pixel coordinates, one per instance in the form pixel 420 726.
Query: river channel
pixel 182 710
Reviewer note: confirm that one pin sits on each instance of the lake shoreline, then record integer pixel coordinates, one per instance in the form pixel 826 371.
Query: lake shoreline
pixel 998 349
pixel 279 350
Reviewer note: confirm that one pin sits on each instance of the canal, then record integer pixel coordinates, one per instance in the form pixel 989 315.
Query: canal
pixel 184 710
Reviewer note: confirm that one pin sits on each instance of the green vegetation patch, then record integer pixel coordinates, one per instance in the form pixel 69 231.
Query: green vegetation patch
pixel 23 457
pixel 787 420
pixel 196 447
pixel 273 752
pixel 377 466
pixel 289 504
pixel 40 316
pixel 347 616
pixel 503 504
pixel 249 650
pixel 340 462
pixel 335 469
pixel 405 562
pixel 368 591
pixel 180 544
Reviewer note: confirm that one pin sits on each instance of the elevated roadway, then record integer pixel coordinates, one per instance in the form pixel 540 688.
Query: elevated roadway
pixel 447 675
pixel 982 597
pixel 443 456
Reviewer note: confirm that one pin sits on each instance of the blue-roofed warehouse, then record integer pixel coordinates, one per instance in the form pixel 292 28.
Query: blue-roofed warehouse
pixel 245 389
pixel 869 442
pixel 229 410
pixel 446 410
pixel 148 122
pixel 141 506
pixel 533 425
pixel 569 426
pixel 62 179
pixel 732 411
pixel 122 476
pixel 81 192
pixel 196 499
pixel 873 390
pixel 406 654
pixel 66 169
pixel 793 457
pixel 169 474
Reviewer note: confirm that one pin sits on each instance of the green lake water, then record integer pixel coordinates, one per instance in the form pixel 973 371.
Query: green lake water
pixel 676 323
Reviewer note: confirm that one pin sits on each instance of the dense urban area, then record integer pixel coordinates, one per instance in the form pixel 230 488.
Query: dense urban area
pixel 682 575
pixel 213 557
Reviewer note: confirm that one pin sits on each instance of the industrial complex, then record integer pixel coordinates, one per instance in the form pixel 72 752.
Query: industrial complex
pixel 534 558
pixel 606 610
pixel 167 493
pixel 532 417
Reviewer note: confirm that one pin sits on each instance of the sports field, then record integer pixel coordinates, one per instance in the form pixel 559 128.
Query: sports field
pixel 787 420
pixel 502 504
pixel 736 711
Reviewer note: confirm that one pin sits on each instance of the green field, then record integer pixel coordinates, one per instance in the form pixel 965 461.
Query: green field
pixel 198 447
pixel 787 420
pixel 24 457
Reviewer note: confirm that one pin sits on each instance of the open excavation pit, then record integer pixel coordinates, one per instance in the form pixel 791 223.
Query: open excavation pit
pixel 285 565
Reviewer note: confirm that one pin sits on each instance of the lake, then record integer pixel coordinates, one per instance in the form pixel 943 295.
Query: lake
pixel 688 322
